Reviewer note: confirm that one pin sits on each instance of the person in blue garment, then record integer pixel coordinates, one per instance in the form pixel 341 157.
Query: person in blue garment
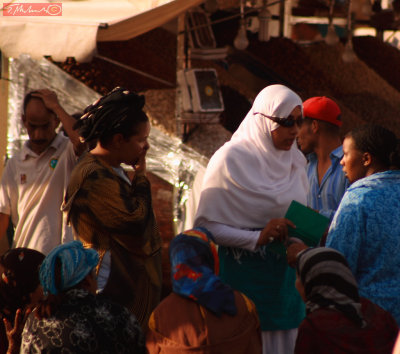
pixel 248 186
pixel 319 138
pixel 366 226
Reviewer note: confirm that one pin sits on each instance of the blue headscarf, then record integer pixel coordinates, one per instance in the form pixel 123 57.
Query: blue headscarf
pixel 76 262
pixel 194 264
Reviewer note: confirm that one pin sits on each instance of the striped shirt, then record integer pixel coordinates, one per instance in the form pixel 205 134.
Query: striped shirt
pixel 326 197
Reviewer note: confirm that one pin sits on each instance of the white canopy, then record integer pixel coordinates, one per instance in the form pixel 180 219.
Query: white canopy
pixel 82 24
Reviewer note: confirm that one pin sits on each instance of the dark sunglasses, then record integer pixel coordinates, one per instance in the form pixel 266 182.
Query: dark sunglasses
pixel 288 122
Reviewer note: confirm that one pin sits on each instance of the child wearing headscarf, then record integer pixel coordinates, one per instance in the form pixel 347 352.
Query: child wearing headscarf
pixel 338 321
pixel 202 315
pixel 72 318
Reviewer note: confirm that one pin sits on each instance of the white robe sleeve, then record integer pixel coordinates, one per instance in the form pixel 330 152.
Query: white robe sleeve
pixel 229 236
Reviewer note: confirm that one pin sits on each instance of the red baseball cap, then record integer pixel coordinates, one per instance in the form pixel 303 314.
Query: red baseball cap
pixel 322 108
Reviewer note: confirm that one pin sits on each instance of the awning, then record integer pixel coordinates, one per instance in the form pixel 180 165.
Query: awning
pixel 83 23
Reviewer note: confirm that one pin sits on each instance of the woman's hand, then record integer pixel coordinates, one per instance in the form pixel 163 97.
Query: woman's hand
pixel 140 166
pixel 14 332
pixel 276 229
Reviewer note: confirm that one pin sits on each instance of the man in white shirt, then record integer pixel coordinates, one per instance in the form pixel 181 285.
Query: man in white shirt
pixel 34 181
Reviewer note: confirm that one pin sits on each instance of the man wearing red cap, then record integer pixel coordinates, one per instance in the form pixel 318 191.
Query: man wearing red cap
pixel 319 138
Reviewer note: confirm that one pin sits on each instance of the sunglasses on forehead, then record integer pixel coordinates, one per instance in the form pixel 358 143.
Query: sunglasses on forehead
pixel 288 122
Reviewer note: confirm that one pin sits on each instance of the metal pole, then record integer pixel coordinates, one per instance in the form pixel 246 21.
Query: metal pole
pixel 180 65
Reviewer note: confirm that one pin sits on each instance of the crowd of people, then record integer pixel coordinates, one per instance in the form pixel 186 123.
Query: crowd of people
pixel 83 274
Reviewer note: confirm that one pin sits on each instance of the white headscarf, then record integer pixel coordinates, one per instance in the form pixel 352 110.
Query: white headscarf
pixel 248 181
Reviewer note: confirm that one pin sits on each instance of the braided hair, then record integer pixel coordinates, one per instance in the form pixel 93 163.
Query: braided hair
pixel 118 112
pixel 380 142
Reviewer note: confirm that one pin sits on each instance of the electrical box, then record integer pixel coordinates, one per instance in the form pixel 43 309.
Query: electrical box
pixel 200 90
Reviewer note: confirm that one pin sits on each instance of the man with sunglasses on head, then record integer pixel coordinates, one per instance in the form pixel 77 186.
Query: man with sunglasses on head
pixel 319 139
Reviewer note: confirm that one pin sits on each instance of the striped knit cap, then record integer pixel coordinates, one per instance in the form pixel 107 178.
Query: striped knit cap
pixel 329 283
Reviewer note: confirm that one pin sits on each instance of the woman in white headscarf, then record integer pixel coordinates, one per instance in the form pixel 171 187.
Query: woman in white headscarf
pixel 247 189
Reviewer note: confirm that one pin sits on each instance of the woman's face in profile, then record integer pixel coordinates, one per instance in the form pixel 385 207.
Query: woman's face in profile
pixel 284 137
pixel 137 145
pixel 352 161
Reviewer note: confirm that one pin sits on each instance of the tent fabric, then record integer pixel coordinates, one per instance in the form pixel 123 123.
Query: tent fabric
pixel 82 23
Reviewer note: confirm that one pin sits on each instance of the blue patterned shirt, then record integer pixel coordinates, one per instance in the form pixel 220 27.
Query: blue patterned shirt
pixel 366 229
pixel 326 197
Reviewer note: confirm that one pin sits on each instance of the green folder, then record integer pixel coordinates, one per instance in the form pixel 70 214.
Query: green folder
pixel 310 226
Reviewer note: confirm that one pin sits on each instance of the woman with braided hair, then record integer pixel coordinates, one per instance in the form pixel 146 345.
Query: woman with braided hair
pixel 112 213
